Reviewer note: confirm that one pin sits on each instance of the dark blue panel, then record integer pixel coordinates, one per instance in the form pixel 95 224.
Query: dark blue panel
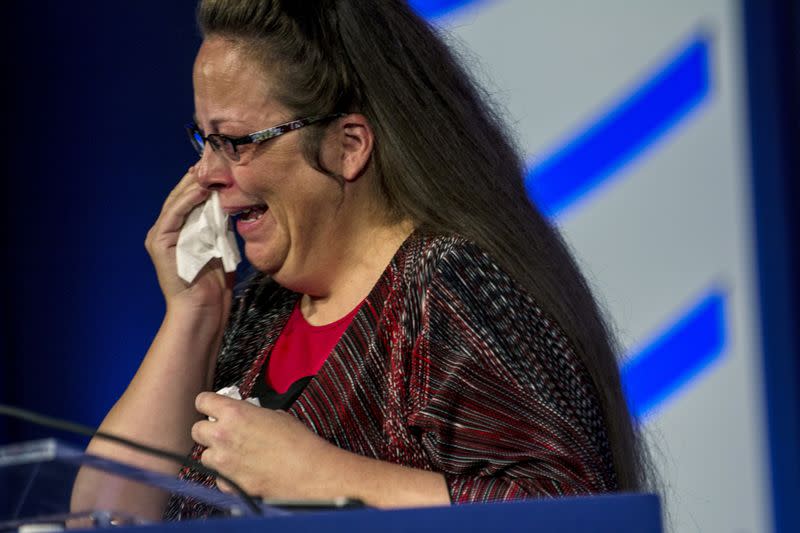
pixel 773 68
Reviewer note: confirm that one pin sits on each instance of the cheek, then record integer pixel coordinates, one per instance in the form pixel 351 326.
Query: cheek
pixel 271 175
pixel 300 199
pixel 305 198
pixel 252 182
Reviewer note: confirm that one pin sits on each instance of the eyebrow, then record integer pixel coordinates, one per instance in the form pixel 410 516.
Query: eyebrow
pixel 215 122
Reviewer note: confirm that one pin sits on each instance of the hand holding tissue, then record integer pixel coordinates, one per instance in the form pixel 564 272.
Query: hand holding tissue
pixel 233 393
pixel 206 235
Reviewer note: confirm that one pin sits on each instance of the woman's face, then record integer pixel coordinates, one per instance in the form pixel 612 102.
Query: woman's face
pixel 290 211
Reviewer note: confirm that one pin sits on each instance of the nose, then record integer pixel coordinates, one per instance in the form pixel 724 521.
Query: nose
pixel 213 170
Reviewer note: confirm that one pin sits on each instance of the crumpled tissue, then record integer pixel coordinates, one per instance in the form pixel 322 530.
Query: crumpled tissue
pixel 206 235
pixel 233 392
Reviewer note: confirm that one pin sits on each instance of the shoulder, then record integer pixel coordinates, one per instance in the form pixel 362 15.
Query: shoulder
pixel 436 258
pixel 475 311
pixel 459 271
pixel 478 322
pixel 461 294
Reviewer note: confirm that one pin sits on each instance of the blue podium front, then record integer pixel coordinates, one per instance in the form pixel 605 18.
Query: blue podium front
pixel 640 513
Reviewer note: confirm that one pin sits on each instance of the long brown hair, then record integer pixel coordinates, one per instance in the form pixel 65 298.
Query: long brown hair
pixel 442 155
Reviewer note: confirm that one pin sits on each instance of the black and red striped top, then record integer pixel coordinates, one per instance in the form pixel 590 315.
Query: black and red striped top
pixel 449 366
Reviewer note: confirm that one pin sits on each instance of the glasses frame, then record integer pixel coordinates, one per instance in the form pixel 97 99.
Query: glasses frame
pixel 228 145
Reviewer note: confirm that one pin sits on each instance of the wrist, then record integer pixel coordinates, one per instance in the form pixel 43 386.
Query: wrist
pixel 199 332
pixel 202 321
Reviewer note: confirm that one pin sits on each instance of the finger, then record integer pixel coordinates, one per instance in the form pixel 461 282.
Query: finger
pixel 207 459
pixel 201 432
pixel 224 487
pixel 187 179
pixel 173 217
pixel 187 183
pixel 216 405
pixel 204 402
pixel 217 459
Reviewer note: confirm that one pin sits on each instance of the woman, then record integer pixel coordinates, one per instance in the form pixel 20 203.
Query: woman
pixel 464 359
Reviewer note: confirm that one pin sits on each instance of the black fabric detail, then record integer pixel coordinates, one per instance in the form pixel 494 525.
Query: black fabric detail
pixel 275 400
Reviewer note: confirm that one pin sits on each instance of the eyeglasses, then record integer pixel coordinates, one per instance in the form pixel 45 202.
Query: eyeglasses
pixel 229 145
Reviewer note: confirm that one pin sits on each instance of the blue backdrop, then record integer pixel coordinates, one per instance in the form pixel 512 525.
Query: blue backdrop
pixel 97 97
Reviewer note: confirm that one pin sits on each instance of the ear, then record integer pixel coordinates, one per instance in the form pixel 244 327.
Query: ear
pixel 354 142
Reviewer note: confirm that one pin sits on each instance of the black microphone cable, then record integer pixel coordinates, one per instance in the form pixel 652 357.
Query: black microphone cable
pixel 72 427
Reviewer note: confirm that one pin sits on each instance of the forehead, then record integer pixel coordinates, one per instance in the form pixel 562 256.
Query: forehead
pixel 229 86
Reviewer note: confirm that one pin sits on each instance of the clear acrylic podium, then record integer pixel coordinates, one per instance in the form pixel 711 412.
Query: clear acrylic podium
pixel 36 480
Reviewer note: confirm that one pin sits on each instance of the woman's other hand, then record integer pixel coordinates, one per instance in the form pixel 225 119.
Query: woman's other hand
pixel 268 453
pixel 271 454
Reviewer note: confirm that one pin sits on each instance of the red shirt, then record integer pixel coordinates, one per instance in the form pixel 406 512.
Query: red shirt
pixel 301 349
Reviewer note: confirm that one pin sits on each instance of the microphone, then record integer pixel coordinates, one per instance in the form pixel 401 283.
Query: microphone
pixel 78 429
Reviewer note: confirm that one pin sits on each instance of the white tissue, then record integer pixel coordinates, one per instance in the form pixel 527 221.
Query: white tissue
pixel 233 392
pixel 206 235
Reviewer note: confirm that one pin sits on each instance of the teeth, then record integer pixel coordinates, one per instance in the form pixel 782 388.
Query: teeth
pixel 251 213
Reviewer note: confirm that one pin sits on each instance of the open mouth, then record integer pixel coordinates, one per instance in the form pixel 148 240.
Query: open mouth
pixel 250 214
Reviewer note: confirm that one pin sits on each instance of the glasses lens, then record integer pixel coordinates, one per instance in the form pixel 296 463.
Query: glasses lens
pixel 227 147
pixel 199 143
pixel 222 144
pixel 195 138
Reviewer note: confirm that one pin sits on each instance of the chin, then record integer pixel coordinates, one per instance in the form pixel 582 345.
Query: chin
pixel 266 261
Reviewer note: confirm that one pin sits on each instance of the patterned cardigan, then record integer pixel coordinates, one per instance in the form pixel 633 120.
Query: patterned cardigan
pixel 448 366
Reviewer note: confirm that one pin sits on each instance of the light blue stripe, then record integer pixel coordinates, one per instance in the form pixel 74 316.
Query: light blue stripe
pixel 676 356
pixel 624 133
